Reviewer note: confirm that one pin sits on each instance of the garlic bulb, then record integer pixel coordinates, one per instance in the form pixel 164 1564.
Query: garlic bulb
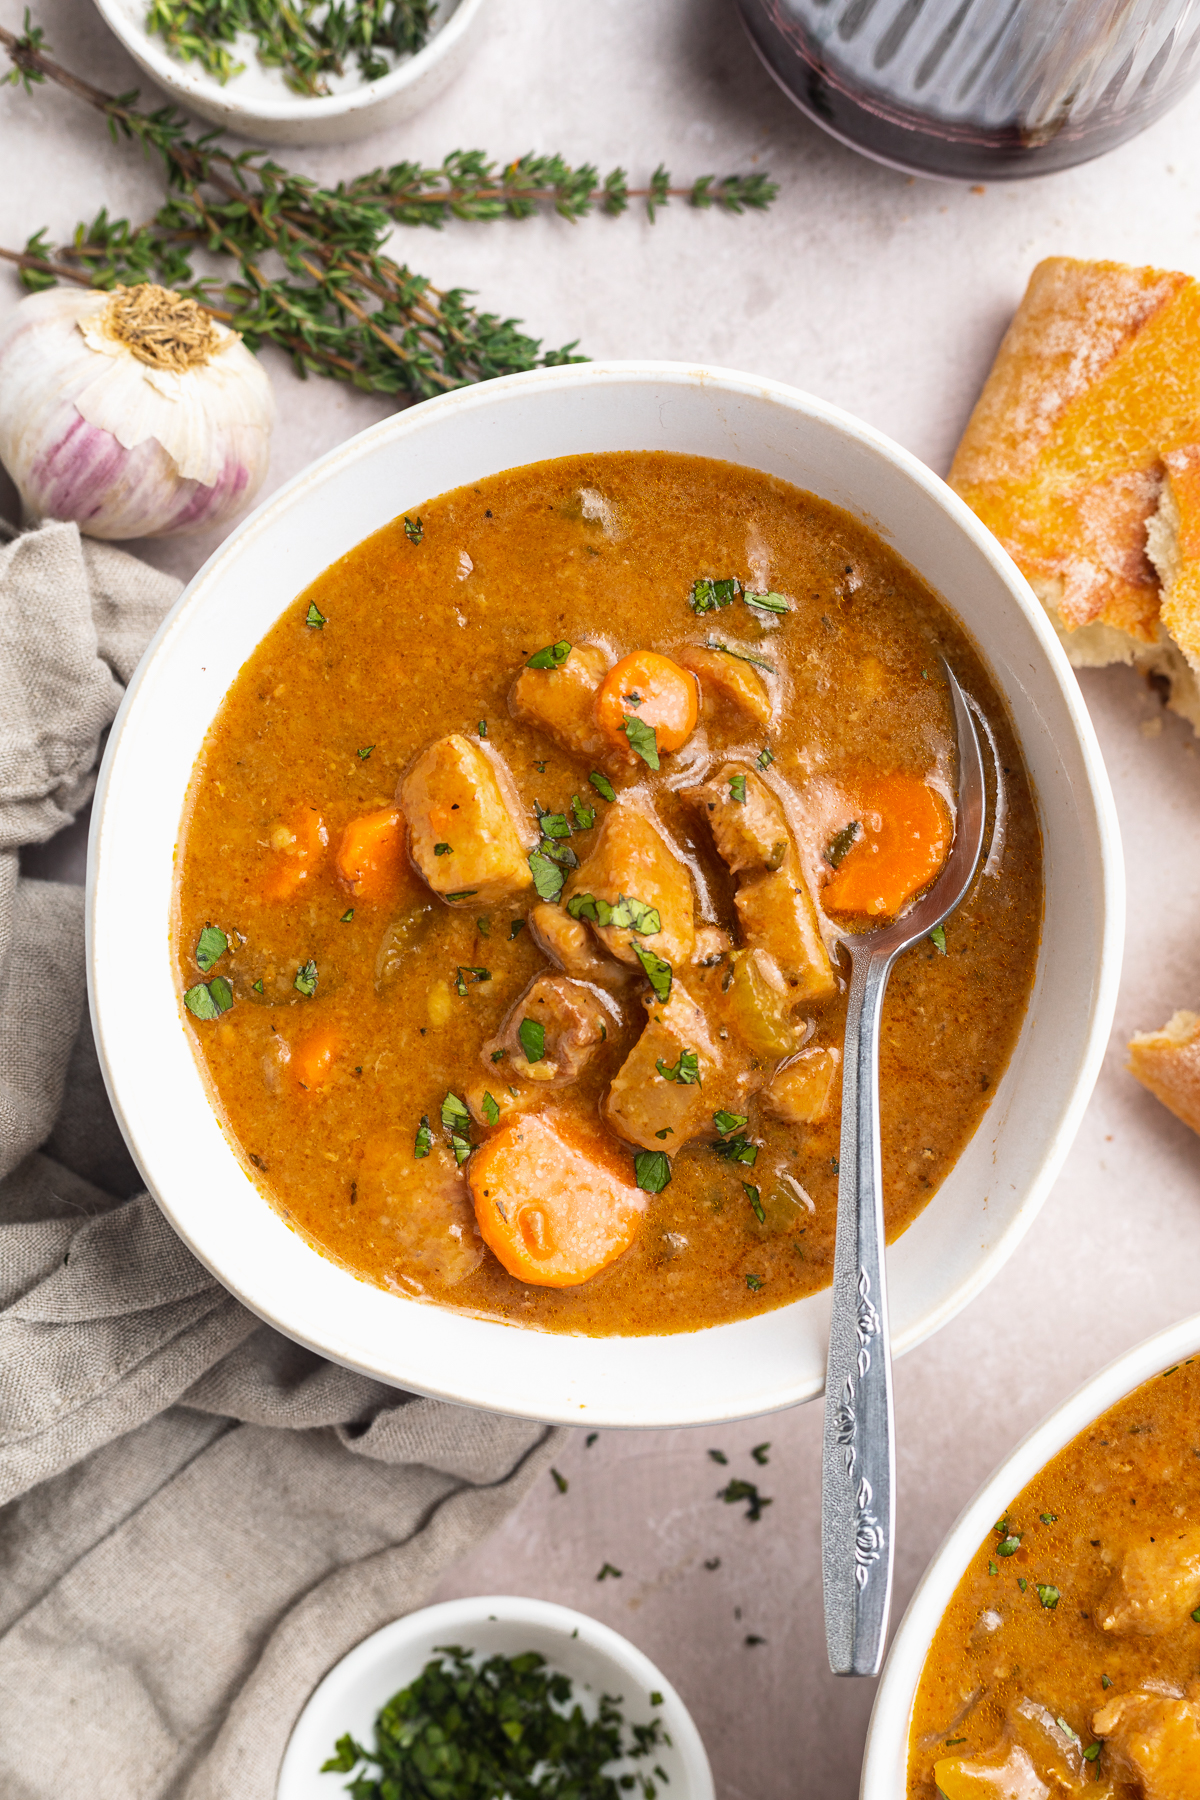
pixel 133 412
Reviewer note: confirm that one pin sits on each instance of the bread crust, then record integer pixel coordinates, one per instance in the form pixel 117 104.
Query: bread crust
pixel 1168 1063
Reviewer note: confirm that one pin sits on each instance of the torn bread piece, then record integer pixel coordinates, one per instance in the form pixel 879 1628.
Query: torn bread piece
pixel 1083 457
pixel 1168 1063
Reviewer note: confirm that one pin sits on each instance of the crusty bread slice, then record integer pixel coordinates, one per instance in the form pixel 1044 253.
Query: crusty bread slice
pixel 1168 1063
pixel 1083 457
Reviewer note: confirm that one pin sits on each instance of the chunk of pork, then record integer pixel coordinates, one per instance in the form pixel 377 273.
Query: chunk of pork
pixel 574 1020
pixel 1156 1586
pixel 631 859
pixel 751 834
pixel 1153 1740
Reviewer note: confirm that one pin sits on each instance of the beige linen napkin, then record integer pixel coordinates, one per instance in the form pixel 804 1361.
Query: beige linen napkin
pixel 197 1517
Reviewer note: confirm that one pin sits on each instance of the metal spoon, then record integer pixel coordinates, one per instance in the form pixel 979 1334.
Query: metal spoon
pixel 858 1508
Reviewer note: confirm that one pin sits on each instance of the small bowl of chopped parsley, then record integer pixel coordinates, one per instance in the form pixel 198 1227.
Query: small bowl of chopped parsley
pixel 498 1698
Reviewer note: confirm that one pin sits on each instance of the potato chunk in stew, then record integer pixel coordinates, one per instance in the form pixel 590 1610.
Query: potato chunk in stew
pixel 462 834
pixel 673 1079
pixel 1153 1739
pixel 631 860
pixel 1003 1774
pixel 554 1205
pixel 802 1094
pixel 1156 1587
pixel 420 1212
pixel 727 678
pixel 562 701
pixel 778 916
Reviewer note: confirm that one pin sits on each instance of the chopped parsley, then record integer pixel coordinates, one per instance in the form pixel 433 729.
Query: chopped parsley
pixel 1049 1596
pixel 306 979
pixel 602 785
pixel 515 929
pixel 738 1490
pixel 738 1150
pixel 583 815
pixel 1008 1546
pixel 719 1456
pixel 560 1481
pixel 491 1110
pixel 365 752
pixel 759 1453
pixel 548 878
pixel 346 916
pixel 766 602
pixel 607 1570
pixel 483 927
pixel 424 1139
pixel 211 945
pixel 211 1001
pixel 1093 1750
pixel 992 1569
pixel 754 1283
pixel 553 656
pixel 710 596
pixel 258 986
pixel 314 619
pixel 457 1121
pixel 1048 1518
pixel 686 1071
pixel 482 728
pixel 726 1122
pixel 739 655
pixel 737 787
pixel 443 850
pixel 765 758
pixel 937 938
pixel 1022 1584
pixel 465 969
pixel 532 1034
pixel 628 914
pixel 414 531
pixel 460 894
pixel 843 843
pixel 756 1205
pixel 554 825
pixel 656 971
pixel 652 1170
pixel 643 740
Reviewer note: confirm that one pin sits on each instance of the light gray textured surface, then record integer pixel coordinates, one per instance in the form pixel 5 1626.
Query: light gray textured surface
pixel 887 297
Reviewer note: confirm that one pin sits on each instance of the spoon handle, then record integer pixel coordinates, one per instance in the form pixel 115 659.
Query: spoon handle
pixel 858 1508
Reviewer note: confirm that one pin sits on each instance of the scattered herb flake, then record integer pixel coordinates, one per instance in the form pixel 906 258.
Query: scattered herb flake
pixel 314 619
pixel 365 752
pixel 552 657
pixel 532 1034
pixel 767 602
pixel 443 850
pixel 652 1170
pixel 1022 1584
pixel 737 787
pixel 211 945
pixel 756 1205
pixel 719 1456
pixel 306 979
pixel 844 842
pixel 759 1453
pixel 992 1569
pixel 607 1570
pixel 726 1122
pixel 765 758
pixel 414 531
pixel 483 927
pixel 455 1116
pixel 1049 1596
pixel 258 986
pixel 548 878
pixel 739 1490
pixel 643 740
pixel 937 938
pixel 482 728
pixel 346 916
pixel 686 1071
pixel 491 1110
pixel 209 1002
pixel 710 596
pixel 657 972
pixel 739 655
pixel 1048 1518
pixel 739 1150
pixel 497 1056
pixel 424 1139
pixel 590 1439
pixel 754 1283
pixel 555 825
pixel 1093 1750
pixel 1105 1682
pixel 583 815
pixel 602 785
pixel 515 929
pixel 560 1481
pixel 460 894
pixel 1008 1546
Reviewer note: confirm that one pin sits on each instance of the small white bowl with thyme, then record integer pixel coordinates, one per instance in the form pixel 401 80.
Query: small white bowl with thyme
pixel 311 72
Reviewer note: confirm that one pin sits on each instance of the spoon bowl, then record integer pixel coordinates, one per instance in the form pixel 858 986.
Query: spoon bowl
pixel 858 1508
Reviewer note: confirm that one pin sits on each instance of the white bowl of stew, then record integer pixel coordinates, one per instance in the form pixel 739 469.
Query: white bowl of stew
pixel 717 1310
pixel 1053 1636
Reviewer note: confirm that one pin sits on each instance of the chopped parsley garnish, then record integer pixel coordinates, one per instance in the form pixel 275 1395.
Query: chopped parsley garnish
pixel 602 785
pixel 719 1456
pixel 1093 1750
pixel 414 531
pixel 460 894
pixel 628 914
pixel 766 602
pixel 843 843
pixel 457 1121
pixel 482 728
pixel 548 878
pixel 739 655
pixel 483 927
pixel 443 850
pixel 313 618
pixel 1196 1615
pixel 765 758
pixel 754 1282
pixel 1048 1518
pixel 465 969
pixel 211 1001
pixel 491 1110
pixel 515 929
pixel 552 657
pixel 710 596
pixel 656 971
pixel 1105 1681
pixel 756 1205
pixel 583 815
pixel 666 1132
pixel 532 1034
pixel 1022 1584
pixel 472 1729
pixel 498 1055
pixel 937 938
pixel 634 699
pixel 607 1570
pixel 737 787
pixel 365 752
pixel 652 1170
pixel 258 986
pixel 738 1150
pixel 554 825
pixel 992 1569
pixel 1049 1596
pixel 686 1071
pixel 306 979
pixel 211 945
pixel 726 1122
pixel 643 740
pixel 560 1481
pixel 759 1453
pixel 424 1139
pixel 346 916
pixel 738 1490
pixel 1008 1546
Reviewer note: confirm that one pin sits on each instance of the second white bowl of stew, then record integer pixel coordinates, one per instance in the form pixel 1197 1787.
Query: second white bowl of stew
pixel 473 856
pixel 1053 1646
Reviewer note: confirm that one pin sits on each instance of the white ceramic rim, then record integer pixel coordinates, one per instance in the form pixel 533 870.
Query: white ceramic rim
pixel 655 1400
pixel 451 1620
pixel 885 1761
pixel 189 82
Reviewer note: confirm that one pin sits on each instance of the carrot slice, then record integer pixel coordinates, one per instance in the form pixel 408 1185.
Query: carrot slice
pixel 905 839
pixel 314 1056
pixel 553 1205
pixel 370 858
pixel 298 844
pixel 654 690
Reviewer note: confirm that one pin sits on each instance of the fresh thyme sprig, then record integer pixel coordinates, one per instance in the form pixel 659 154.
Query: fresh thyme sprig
pixel 307 39
pixel 310 273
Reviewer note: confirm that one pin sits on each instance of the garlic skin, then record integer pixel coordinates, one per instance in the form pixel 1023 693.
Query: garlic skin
pixel 128 426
